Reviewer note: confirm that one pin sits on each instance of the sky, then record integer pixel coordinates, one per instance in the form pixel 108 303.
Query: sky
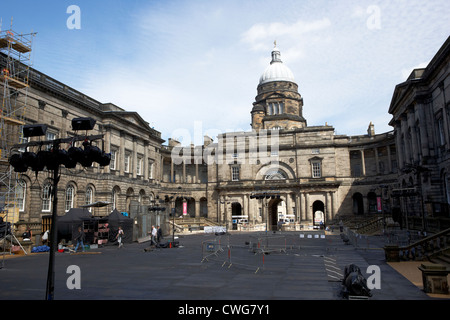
pixel 191 68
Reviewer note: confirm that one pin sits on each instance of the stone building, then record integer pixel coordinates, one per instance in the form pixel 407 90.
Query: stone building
pixel 281 169
pixel 134 171
pixel 308 173
pixel 420 109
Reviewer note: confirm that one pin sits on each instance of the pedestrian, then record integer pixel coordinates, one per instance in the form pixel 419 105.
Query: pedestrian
pixel 159 234
pixel 27 234
pixel 45 238
pixel 119 236
pixel 154 235
pixel 80 239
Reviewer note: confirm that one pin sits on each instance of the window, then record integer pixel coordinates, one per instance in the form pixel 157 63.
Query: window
pixel 316 167
pixel 115 198
pixel 112 164
pixel 275 108
pixel 89 197
pixel 47 198
pixel 50 136
pixel 150 170
pixel 127 162
pixel 21 190
pixel 441 137
pixel 69 198
pixel 139 166
pixel 275 174
pixel 235 173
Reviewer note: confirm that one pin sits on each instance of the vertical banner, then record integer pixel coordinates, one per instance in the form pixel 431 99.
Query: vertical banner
pixel 184 208
pixel 379 204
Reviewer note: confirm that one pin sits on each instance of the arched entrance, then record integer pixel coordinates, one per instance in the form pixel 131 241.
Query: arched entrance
pixel 318 212
pixel 358 204
pixel 236 213
pixel 276 207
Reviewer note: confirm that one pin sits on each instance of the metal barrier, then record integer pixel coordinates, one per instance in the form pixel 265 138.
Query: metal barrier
pixel 211 249
pixel 228 254
pixel 268 243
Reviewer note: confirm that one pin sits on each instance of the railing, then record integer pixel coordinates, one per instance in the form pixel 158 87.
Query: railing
pixel 419 250
pixel 370 226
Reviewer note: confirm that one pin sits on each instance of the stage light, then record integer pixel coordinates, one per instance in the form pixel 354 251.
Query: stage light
pixel 83 124
pixel 34 130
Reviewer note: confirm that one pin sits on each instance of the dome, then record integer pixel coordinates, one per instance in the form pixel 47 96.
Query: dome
pixel 276 71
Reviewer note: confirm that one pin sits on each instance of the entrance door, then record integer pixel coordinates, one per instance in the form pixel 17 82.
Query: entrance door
pixel 236 213
pixel 275 208
pixel 358 204
pixel 318 212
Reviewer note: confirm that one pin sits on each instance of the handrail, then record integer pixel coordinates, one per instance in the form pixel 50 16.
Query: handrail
pixel 423 248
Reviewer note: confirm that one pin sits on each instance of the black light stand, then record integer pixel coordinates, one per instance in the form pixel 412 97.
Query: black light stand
pixel 52 160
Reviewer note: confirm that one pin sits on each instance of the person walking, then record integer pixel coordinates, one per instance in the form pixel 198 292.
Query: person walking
pixel 154 235
pixel 159 234
pixel 119 236
pixel 80 239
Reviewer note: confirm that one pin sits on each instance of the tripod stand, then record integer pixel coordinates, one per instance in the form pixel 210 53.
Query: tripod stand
pixel 7 235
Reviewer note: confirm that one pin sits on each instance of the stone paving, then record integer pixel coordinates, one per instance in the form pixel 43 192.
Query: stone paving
pixel 305 268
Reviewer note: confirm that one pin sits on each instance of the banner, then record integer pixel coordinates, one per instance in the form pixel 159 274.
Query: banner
pixel 379 204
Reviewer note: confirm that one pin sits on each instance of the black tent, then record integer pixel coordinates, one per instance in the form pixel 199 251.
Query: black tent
pixel 116 219
pixel 68 224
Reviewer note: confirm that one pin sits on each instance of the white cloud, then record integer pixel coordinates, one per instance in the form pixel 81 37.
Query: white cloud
pixel 258 35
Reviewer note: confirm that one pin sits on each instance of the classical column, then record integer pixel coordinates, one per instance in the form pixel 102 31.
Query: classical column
pixel 302 211
pixel 424 145
pixel 388 147
pixel 134 168
pixel 328 207
pixel 407 155
pixel 197 208
pixel 363 162
pixel 398 137
pixel 375 150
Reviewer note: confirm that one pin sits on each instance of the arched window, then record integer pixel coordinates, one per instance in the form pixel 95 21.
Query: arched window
pixel 21 192
pixel 275 174
pixel 89 196
pixel 70 192
pixel 115 197
pixel 47 198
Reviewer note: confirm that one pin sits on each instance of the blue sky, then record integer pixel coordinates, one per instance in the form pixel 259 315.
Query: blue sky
pixel 190 67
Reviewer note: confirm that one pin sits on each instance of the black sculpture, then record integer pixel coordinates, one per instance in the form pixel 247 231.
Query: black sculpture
pixel 354 282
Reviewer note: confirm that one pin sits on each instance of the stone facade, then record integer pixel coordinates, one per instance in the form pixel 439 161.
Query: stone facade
pixel 309 173
pixel 420 109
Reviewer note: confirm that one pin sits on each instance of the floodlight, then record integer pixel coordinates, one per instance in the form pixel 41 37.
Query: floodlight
pixel 83 124
pixel 34 130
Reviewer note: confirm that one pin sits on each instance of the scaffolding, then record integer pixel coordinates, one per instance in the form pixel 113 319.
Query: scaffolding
pixel 15 64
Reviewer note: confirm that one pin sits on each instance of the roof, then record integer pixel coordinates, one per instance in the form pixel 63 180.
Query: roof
pixel 276 71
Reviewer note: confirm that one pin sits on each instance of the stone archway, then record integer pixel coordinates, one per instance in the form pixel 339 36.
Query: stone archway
pixel 274 206
pixel 358 203
pixel 318 212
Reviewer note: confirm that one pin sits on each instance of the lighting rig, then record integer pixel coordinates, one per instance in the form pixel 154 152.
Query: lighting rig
pixel 51 159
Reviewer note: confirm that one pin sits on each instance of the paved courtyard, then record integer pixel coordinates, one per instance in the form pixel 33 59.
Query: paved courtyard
pixel 296 266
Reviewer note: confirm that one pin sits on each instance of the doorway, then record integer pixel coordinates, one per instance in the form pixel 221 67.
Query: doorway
pixel 318 213
pixel 276 207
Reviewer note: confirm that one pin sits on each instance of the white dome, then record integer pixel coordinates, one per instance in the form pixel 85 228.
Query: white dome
pixel 276 71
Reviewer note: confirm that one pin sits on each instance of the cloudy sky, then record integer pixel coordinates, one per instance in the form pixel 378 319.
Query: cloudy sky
pixel 191 68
